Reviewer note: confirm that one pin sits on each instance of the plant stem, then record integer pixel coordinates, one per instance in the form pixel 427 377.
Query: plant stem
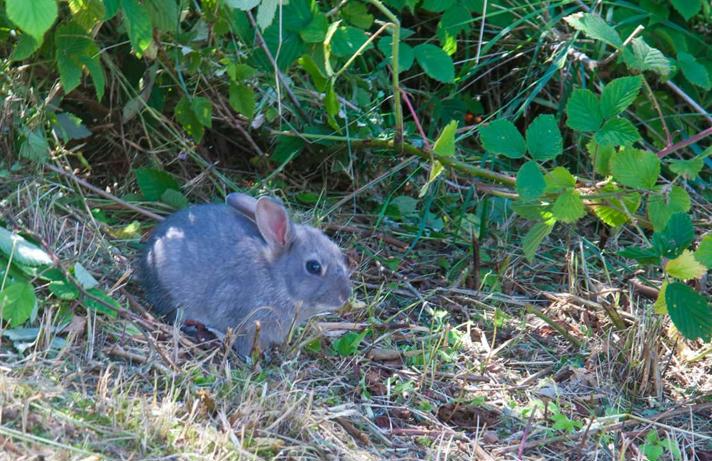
pixel 685 142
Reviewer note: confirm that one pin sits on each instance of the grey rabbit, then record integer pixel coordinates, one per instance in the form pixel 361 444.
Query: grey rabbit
pixel 229 265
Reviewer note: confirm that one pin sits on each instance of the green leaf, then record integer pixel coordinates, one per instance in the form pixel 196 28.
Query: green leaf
pixel 693 71
pixel 559 179
pixel 347 344
pixel 85 279
pixel 242 99
pixel 24 48
pixel 266 13
pixel 60 286
pixel 618 94
pixel 568 207
pixel 642 57
pixel 689 169
pixel 331 101
pixel 164 14
pixel 153 183
pixel 649 255
pixel 536 235
pixel 357 14
pixel 239 72
pixel 436 170
pixel 583 111
pixel 138 25
pixel 613 210
pixel 244 5
pixel 318 78
pixel 704 251
pixel 194 115
pixel 100 306
pixel 17 303
pixel 74 51
pixel 111 7
pixel 530 181
pixel 347 40
pixel 315 31
pixel 445 144
pixel 175 199
pixel 70 127
pixel 677 236
pixel 33 17
pixel 544 140
pixel 35 146
pixel 22 251
pixel 437 6
pixel 502 137
pixel 635 168
pixel 595 27
pixel 435 62
pixel 660 306
pixel 685 267
pixel 406 55
pixel 601 156
pixel 662 206
pixel 288 147
pixel 687 8
pixel 689 311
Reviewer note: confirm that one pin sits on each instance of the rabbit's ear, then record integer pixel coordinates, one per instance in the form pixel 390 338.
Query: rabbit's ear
pixel 273 223
pixel 243 203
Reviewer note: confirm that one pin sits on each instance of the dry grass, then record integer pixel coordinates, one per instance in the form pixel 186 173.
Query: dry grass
pixel 444 373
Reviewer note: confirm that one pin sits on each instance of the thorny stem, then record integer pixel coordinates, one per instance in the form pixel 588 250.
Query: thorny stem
pixel 685 142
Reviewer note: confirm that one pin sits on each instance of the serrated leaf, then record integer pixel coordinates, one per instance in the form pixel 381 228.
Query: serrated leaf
pixel 617 132
pixel 315 31
pixel 138 25
pixel 595 27
pixel 239 72
pixel 530 183
pixel 22 251
pixel 435 62
pixel 266 13
pixel 17 303
pixel 175 199
pixel 660 306
pixel 347 344
pixel 559 179
pixel 677 236
pixel 685 267
pixel 533 211
pixel 544 140
pixel 687 8
pixel 601 157
pixel 661 206
pixel 704 251
pixel 642 57
pixel 618 94
pixel 32 17
pixel 437 6
pixel 635 168
pixel 445 144
pixel 242 99
pixel 287 149
pixel 689 169
pixel 153 183
pixel 583 111
pixel 689 311
pixel 357 14
pixel 35 146
pixel 194 115
pixel 502 137
pixel 693 71
pixel 533 238
pixel 568 207
pixel 70 127
pixel 613 210
pixel 59 285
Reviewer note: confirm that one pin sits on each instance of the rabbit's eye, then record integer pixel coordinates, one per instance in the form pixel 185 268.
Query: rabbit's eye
pixel 313 267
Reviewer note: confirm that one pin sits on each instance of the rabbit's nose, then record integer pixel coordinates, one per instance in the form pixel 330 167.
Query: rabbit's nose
pixel 346 291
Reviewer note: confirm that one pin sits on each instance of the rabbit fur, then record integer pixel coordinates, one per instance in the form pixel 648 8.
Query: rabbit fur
pixel 230 265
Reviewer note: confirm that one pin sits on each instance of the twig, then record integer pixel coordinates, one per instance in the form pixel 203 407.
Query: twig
pixel 685 142
pixel 104 194
pixel 698 108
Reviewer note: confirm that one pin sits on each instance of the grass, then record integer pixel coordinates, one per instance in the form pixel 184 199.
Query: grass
pixel 442 372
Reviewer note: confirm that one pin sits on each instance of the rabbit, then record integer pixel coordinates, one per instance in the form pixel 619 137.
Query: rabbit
pixel 230 265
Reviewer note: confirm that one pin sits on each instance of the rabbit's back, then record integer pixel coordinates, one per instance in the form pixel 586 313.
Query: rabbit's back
pixel 201 260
